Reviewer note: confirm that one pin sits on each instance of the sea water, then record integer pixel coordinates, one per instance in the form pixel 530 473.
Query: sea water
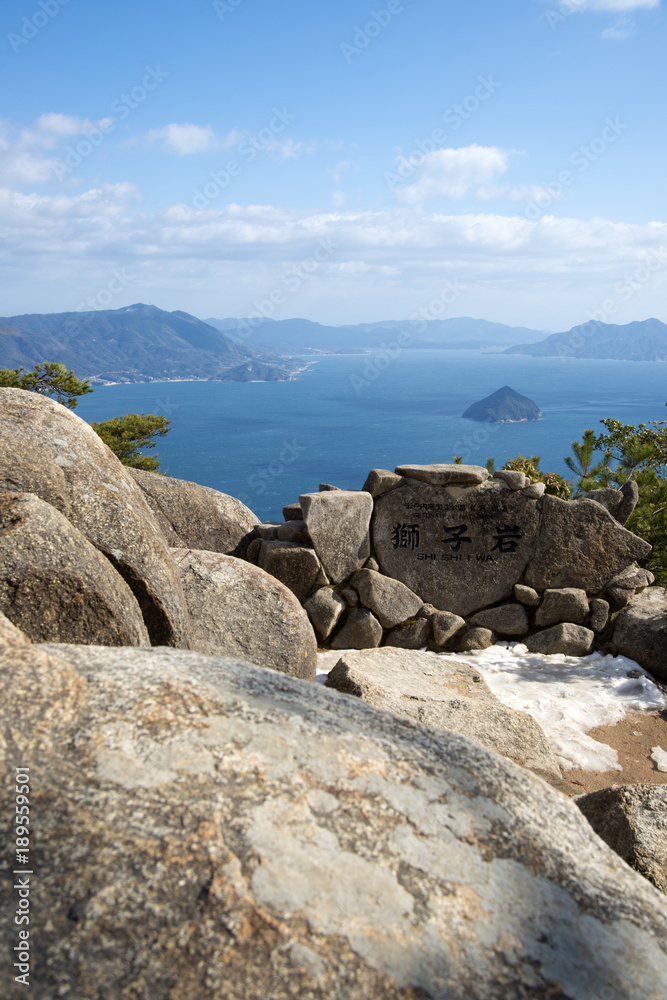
pixel 267 442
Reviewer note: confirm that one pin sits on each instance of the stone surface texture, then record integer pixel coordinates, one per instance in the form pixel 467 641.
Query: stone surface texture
pixel 445 475
pixel 640 631
pixel 470 639
pixel 534 491
pixel 197 517
pixel 445 625
pixel 599 615
pixel 293 531
pixel 47 450
pixel 567 605
pixel 508 619
pixel 580 545
pixel 632 820
pixel 390 601
pixel 324 609
pixel 526 595
pixel 338 524
pixel 515 480
pixel 55 585
pixel 210 830
pixel 623 587
pixel 381 481
pixel 416 635
pixel 296 567
pixel 568 639
pixel 458 549
pixel 239 610
pixel 435 691
pixel 361 630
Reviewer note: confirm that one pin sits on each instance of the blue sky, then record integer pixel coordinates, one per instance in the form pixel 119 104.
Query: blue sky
pixel 342 162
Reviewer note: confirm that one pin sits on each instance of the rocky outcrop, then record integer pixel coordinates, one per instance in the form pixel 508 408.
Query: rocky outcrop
pixel 196 517
pixel 55 585
pixel 47 450
pixel 505 406
pixel 580 545
pixel 458 549
pixel 239 610
pixel 338 525
pixel 640 631
pixel 434 691
pixel 632 820
pixel 476 558
pixel 213 829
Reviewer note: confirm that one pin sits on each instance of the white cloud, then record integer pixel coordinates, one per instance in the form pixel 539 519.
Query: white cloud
pixel 622 29
pixel 184 139
pixel 453 173
pixel 22 156
pixel 605 5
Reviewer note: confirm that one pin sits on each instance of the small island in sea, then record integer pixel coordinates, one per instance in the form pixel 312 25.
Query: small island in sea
pixel 506 406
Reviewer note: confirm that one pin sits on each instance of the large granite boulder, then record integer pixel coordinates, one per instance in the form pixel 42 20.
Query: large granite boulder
pixel 580 545
pixel 453 695
pixel 298 568
pixel 566 639
pixel 640 632
pixel 55 585
pixel 209 829
pixel 197 517
pixel 632 819
pixel 239 610
pixel 47 450
pixel 390 601
pixel 458 549
pixel 338 525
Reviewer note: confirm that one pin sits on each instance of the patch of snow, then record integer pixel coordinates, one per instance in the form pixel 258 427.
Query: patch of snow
pixel 567 695
pixel 659 756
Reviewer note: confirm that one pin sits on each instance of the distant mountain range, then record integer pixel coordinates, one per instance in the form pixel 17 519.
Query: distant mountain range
pixel 142 343
pixel 138 343
pixel 302 335
pixel 644 340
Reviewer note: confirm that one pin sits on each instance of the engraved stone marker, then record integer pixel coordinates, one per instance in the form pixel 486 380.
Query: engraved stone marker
pixel 458 549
